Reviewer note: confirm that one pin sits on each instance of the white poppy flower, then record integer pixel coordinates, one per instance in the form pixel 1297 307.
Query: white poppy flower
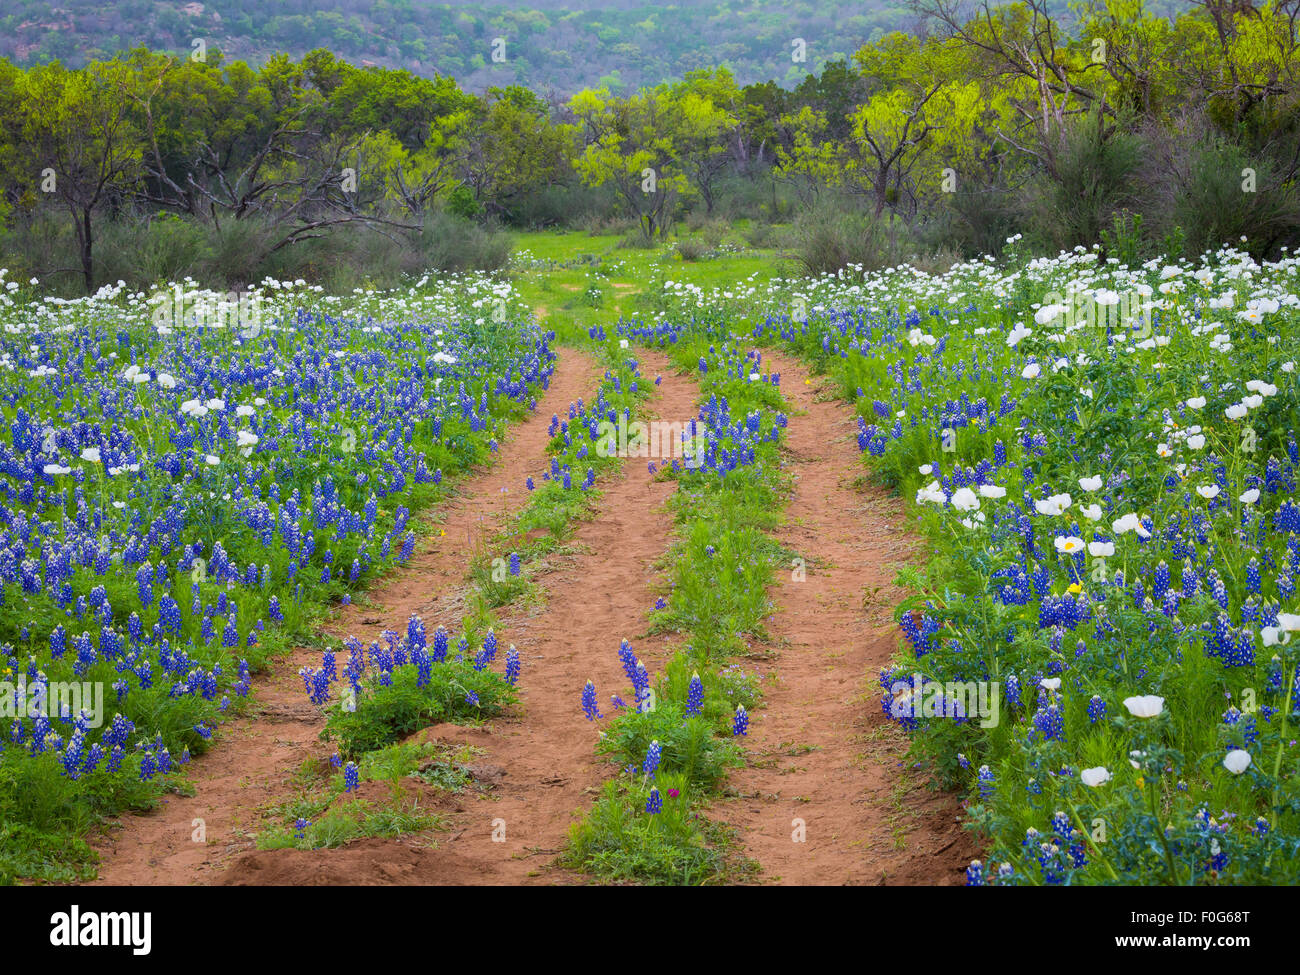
pixel 1145 706
pixel 1094 777
pixel 1237 761
pixel 1055 505
pixel 1090 483
pixel 1100 550
pixel 932 493
pixel 964 499
pixel 1129 523
pixel 1275 636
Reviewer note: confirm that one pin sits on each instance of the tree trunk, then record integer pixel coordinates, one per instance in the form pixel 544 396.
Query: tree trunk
pixel 81 223
pixel 881 191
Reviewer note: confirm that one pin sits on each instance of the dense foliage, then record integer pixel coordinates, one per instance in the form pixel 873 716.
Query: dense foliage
pixel 1153 134
pixel 564 46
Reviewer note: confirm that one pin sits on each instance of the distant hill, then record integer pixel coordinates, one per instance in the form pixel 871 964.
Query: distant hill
pixel 558 46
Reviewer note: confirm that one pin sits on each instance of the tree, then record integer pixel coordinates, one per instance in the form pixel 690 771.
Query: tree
pixel 628 144
pixel 76 134
pixel 509 147
pixel 704 118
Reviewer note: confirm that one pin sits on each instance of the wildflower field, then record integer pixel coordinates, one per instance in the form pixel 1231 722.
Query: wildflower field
pixel 1110 503
pixel 184 490
pixel 1089 654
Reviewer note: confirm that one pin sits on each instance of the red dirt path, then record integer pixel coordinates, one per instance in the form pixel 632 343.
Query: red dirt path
pixel 541 761
pixel 821 750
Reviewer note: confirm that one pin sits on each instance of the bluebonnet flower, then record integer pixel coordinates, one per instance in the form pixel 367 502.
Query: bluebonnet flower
pixel 740 723
pixel 651 763
pixel 694 695
pixel 589 705
pixel 489 651
pixel 1050 722
pixel 1096 709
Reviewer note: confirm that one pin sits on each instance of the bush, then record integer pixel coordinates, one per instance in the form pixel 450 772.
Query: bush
pixel 1211 207
pixel 449 243
pixel 152 251
pixel 692 248
pixel 1091 179
pixel 234 254
pixel 977 221
pixel 827 238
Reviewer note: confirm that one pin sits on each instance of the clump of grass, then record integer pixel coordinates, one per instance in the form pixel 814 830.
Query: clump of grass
pixel 386 713
pixel 691 746
pixel 618 841
pixel 355 820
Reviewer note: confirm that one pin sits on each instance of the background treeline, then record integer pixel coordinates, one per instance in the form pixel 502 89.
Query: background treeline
pixel 552 45
pixel 1143 132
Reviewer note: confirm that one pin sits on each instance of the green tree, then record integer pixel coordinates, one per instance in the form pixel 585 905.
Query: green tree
pixel 76 132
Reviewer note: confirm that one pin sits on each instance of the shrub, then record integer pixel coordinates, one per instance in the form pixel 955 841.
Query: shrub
pixel 1091 177
pixel 826 238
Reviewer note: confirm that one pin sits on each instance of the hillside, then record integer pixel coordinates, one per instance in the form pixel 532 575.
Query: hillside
pixel 561 47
